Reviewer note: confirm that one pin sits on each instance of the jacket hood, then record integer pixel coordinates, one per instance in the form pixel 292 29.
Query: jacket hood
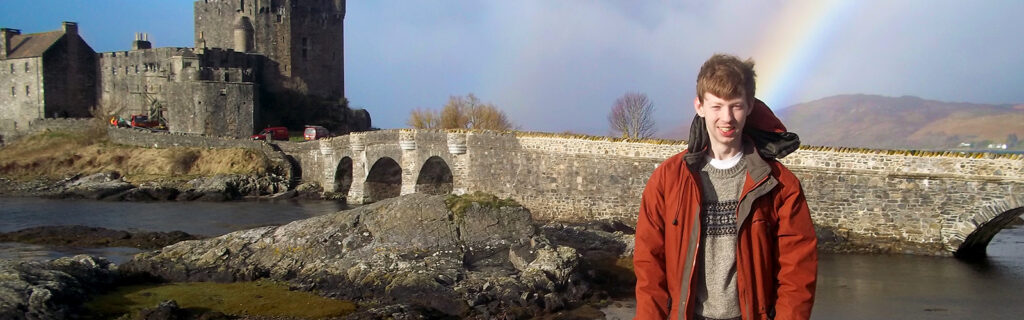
pixel 766 131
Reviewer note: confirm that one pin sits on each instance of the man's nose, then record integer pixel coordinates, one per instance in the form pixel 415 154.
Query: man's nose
pixel 727 116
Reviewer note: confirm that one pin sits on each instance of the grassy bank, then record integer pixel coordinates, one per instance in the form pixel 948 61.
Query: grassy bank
pixel 260 298
pixel 59 154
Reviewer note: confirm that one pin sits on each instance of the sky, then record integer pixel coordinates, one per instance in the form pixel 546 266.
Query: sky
pixel 559 65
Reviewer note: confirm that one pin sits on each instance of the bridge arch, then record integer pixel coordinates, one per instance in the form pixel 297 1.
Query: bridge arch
pixel 383 181
pixel 343 177
pixel 988 223
pixel 435 177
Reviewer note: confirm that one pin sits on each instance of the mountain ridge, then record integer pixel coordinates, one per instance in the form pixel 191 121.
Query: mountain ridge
pixel 875 121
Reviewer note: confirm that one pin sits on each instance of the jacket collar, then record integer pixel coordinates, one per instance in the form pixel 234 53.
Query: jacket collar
pixel 757 167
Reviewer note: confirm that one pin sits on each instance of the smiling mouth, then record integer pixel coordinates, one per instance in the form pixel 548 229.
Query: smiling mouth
pixel 727 132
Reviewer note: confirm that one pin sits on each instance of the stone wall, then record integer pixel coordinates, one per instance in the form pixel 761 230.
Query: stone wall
pixel 212 108
pixel 69 78
pixel 210 93
pixel 145 138
pixel 302 39
pixel 901 201
pixel 21 94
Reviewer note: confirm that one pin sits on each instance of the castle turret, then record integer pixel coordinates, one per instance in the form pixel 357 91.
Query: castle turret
pixel 5 43
pixel 244 33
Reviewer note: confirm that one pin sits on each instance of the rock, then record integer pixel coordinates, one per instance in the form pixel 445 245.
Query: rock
pixel 51 290
pixel 606 248
pixel 313 191
pixel 410 250
pixel 226 187
pixel 283 195
pixel 96 186
pixel 166 310
pixel 92 237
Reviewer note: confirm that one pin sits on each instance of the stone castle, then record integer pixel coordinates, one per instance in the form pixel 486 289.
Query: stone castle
pixel 255 63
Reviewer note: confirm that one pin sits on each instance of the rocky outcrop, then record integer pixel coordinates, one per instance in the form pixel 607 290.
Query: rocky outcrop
pixel 92 237
pixel 51 290
pixel 480 259
pixel 111 186
pixel 230 187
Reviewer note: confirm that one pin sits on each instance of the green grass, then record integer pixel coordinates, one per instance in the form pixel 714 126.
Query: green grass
pixel 459 204
pixel 259 298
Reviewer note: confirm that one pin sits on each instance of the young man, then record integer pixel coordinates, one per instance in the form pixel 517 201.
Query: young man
pixel 724 231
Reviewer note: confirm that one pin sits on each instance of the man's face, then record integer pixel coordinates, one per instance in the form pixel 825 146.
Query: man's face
pixel 724 119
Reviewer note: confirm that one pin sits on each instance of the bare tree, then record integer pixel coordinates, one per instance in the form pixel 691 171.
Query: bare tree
pixel 462 113
pixel 632 116
pixel 423 119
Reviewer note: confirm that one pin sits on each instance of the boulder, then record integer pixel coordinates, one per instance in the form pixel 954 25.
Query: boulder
pixel 96 186
pixel 51 290
pixel 225 187
pixel 410 250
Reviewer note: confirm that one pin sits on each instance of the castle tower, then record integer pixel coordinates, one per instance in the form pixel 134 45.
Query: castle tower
pixel 302 39
pixel 243 33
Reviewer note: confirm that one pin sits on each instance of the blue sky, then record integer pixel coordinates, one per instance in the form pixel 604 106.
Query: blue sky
pixel 559 65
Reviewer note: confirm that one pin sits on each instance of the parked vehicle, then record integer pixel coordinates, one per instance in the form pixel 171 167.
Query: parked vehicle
pixel 143 121
pixel 275 133
pixel 315 132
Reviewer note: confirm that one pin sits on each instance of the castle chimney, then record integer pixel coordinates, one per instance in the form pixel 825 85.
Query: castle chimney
pixel 141 41
pixel 5 44
pixel 70 27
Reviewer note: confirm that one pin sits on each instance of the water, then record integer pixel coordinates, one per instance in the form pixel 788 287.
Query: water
pixel 197 218
pixel 918 287
pixel 849 286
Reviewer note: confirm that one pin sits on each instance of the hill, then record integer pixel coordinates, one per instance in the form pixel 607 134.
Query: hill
pixel 874 121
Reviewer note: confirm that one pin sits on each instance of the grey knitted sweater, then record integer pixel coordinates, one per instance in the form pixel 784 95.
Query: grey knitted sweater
pixel 717 297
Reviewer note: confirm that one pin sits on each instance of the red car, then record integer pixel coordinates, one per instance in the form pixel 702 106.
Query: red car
pixel 275 133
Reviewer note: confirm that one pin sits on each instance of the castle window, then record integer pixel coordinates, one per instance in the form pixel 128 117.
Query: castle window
pixel 279 18
pixel 113 71
pixel 241 5
pixel 12 91
pixel 26 90
pixel 12 68
pixel 26 66
pixel 305 48
pixel 227 77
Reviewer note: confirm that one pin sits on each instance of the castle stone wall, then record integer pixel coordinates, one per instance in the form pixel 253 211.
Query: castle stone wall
pixel 303 40
pixel 18 106
pixel 147 139
pixel 68 82
pixel 189 88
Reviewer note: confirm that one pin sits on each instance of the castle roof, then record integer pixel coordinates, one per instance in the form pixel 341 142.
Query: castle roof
pixel 32 44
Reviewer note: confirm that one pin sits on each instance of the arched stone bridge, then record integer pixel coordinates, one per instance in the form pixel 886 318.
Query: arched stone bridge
pixel 932 203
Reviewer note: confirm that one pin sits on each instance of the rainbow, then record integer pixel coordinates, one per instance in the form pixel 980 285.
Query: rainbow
pixel 792 47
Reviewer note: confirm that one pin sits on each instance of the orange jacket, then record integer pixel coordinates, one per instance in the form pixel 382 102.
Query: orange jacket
pixel 776 255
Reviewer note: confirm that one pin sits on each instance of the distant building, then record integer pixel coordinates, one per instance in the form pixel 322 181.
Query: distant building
pixel 45 75
pixel 246 53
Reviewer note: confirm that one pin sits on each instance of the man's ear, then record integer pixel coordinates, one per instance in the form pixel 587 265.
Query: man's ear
pixel 696 107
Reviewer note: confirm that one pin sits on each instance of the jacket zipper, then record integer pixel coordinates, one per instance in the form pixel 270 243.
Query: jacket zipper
pixel 744 301
pixel 693 265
